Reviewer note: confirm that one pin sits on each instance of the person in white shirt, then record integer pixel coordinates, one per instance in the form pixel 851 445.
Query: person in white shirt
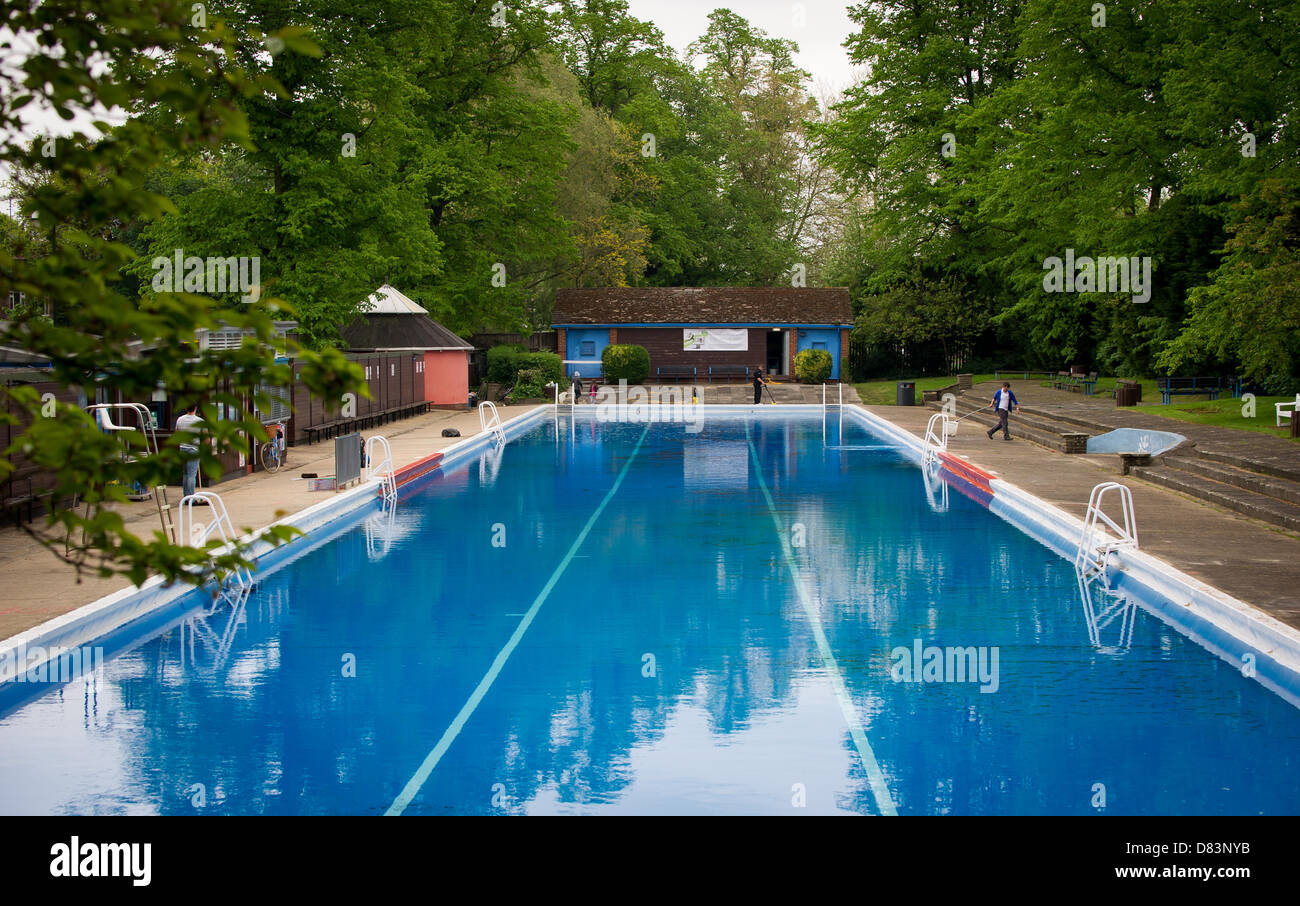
pixel 1003 402
pixel 189 421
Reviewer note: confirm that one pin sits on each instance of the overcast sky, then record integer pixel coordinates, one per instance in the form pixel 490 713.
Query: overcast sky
pixel 820 39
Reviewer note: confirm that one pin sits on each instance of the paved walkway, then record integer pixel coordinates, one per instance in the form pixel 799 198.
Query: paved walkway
pixel 38 587
pixel 1251 560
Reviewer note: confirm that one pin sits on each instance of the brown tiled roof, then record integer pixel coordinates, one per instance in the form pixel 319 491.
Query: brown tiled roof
pixel 703 305
pixel 378 332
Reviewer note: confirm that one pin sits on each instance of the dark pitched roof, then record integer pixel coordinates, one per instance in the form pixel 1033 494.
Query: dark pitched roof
pixel 407 332
pixel 703 305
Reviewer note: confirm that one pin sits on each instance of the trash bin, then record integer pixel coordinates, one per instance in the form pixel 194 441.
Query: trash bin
pixel 1127 393
pixel 473 400
pixel 906 395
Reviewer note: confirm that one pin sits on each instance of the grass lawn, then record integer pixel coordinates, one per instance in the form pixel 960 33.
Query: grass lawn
pixel 1224 413
pixel 883 393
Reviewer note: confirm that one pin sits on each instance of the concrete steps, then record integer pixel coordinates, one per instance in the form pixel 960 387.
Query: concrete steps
pixel 1282 489
pixel 1036 427
pixel 1249 493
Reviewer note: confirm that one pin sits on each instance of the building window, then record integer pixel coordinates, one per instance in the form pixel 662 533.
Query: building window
pixel 588 348
pixel 817 345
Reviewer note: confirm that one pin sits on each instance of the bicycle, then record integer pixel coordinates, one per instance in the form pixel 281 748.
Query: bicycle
pixel 272 454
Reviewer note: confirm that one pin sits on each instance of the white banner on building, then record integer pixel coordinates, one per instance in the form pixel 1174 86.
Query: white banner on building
pixel 698 339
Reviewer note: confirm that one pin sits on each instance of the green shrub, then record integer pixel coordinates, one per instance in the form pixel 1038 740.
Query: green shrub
pixel 530 384
pixel 812 366
pixel 548 363
pixel 624 361
pixel 503 364
pixel 506 362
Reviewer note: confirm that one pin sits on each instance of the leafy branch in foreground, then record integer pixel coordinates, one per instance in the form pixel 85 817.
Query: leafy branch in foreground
pixel 81 193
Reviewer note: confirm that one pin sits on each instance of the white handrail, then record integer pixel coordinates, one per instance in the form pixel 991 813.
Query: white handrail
pixel 492 421
pixel 936 443
pixel 1095 542
pixel 198 533
pixel 381 466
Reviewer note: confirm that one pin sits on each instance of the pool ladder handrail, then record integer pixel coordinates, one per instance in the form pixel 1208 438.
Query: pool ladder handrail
pixel 570 397
pixel 839 405
pixel 937 442
pixel 1095 541
pixel 381 466
pixel 492 421
pixel 198 534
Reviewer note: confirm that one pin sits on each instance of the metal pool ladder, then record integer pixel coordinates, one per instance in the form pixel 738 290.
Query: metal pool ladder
pixel 197 534
pixel 936 441
pixel 838 405
pixel 384 467
pixel 491 421
pixel 1096 543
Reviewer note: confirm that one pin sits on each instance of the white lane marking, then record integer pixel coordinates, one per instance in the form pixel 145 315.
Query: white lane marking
pixel 876 777
pixel 467 710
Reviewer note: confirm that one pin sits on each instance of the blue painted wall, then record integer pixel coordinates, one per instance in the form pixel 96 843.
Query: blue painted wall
pixel 812 338
pixel 573 350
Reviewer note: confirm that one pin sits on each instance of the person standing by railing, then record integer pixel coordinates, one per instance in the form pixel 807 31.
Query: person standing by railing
pixel 189 422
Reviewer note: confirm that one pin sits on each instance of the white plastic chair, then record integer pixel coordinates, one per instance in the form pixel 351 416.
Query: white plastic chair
pixel 1287 410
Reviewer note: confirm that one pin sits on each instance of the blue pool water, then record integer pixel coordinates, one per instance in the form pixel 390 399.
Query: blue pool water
pixel 635 618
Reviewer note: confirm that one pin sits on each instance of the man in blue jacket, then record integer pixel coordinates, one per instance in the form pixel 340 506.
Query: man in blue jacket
pixel 1003 402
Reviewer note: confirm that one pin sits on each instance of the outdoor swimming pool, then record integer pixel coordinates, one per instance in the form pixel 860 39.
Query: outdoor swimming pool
pixel 621 617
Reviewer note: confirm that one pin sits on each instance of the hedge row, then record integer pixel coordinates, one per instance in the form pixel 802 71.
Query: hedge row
pixel 505 363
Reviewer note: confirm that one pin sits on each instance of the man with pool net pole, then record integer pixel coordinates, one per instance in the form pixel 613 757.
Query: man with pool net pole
pixel 760 383
pixel 1003 402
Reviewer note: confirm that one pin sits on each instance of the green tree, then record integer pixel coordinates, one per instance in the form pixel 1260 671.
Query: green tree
pixel 137 56
pixel 1250 311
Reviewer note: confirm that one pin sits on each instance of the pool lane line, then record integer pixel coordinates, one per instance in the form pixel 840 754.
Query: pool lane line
pixel 876 777
pixel 431 760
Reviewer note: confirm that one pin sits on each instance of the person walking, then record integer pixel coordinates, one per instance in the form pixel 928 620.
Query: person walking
pixel 759 381
pixel 577 386
pixel 1003 402
pixel 189 422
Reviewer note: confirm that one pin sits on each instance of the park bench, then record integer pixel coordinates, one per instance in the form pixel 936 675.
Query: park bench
pixel 729 371
pixel 20 493
pixel 676 372
pixel 1191 386
pixel 1065 380
pixel 1025 374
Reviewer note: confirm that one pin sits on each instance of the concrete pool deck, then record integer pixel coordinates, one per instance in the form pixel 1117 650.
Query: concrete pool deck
pixel 1250 560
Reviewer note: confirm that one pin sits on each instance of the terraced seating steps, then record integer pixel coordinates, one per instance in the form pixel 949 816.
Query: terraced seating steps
pixel 1267 491
pixel 1027 424
pixel 1270 499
